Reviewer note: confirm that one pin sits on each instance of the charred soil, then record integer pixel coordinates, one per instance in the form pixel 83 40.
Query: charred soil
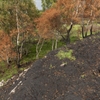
pixel 52 78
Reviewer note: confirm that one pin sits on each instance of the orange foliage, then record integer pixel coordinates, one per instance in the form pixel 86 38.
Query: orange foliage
pixel 89 9
pixel 48 22
pixel 52 20
pixel 66 12
pixel 6 47
pixel 68 9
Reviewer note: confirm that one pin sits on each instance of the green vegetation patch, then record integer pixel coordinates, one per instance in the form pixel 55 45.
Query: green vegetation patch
pixel 65 54
pixel 6 73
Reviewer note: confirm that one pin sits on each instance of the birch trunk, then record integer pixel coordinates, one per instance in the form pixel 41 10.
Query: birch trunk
pixel 53 44
pixel 56 44
pixel 17 40
pixel 39 47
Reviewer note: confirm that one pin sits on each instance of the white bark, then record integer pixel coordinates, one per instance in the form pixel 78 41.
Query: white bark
pixel 18 31
pixel 39 47
pixel 56 44
pixel 53 42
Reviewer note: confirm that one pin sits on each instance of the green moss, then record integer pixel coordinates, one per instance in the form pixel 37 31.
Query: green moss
pixel 68 54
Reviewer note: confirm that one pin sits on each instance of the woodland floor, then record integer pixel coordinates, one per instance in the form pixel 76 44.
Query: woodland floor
pixel 53 79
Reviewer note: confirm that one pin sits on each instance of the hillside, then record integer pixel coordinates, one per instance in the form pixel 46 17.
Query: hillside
pixel 57 77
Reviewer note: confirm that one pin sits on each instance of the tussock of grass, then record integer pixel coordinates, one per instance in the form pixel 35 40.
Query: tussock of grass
pixel 7 73
pixel 68 54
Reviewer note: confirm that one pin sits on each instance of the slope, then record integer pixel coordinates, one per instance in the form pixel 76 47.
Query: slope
pixel 58 77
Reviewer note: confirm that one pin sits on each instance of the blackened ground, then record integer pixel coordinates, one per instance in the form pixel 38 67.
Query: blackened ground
pixel 53 79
